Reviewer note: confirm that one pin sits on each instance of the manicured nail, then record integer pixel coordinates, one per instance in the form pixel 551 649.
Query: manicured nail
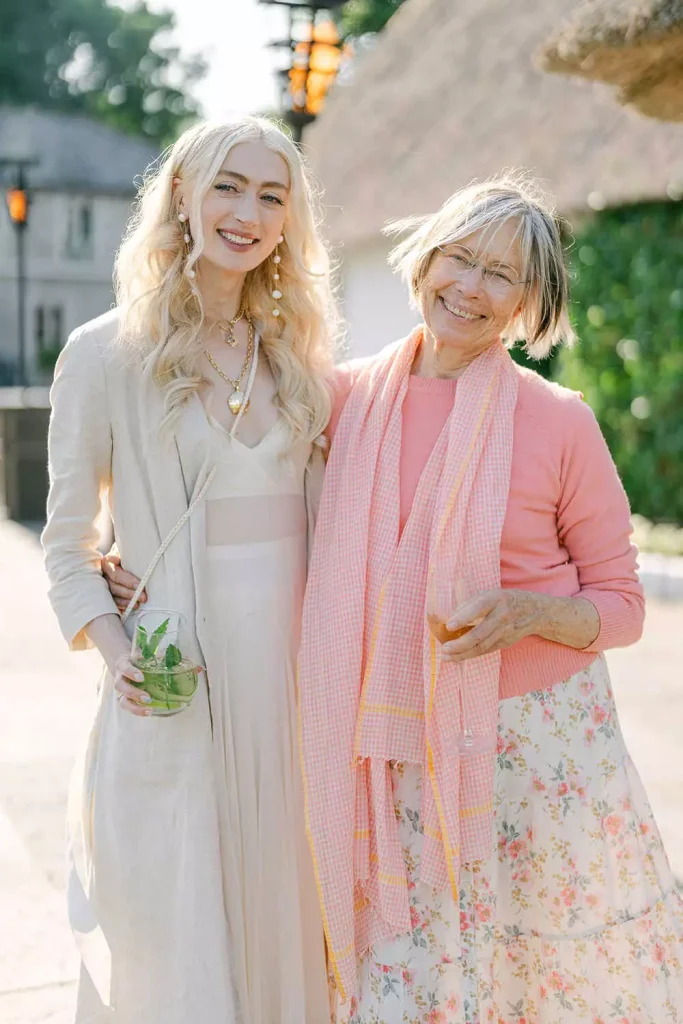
pixel 145 697
pixel 138 676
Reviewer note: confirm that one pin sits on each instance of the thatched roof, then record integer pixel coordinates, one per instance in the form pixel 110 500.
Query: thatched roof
pixel 451 93
pixel 636 45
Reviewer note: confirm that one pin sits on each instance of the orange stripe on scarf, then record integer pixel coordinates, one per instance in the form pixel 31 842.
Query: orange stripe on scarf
pixel 373 688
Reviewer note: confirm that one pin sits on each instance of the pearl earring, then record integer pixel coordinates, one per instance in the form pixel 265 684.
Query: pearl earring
pixel 277 259
pixel 182 217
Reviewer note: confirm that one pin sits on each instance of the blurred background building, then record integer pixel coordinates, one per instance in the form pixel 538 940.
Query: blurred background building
pixel 451 92
pixel 81 189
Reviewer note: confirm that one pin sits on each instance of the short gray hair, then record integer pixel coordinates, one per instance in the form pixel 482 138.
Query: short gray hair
pixel 544 318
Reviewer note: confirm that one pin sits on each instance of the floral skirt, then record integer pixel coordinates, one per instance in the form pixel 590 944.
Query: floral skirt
pixel 574 918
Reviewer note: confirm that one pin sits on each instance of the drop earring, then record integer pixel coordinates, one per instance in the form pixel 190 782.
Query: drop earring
pixel 276 293
pixel 182 217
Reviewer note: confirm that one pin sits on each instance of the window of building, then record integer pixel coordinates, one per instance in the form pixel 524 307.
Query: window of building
pixel 40 327
pixel 79 242
pixel 49 332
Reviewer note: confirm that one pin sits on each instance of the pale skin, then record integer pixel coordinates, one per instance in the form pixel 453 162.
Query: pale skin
pixel 452 340
pixel 248 198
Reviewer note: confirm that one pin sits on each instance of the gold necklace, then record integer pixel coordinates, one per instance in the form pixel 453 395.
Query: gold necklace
pixel 237 398
pixel 227 327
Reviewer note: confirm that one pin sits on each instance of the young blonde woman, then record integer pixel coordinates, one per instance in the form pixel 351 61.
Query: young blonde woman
pixel 201 393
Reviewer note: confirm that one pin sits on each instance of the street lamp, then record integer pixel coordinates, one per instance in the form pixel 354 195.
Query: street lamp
pixel 17 199
pixel 316 53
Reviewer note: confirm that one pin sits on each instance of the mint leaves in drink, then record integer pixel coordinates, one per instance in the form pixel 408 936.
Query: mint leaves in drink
pixel 170 678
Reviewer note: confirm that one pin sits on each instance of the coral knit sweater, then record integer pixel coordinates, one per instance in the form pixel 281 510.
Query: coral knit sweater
pixel 567 527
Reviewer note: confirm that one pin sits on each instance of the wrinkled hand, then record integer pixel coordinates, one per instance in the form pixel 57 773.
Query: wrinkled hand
pixel 503 618
pixel 122 584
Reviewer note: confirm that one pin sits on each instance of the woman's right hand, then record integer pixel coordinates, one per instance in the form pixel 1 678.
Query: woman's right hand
pixel 106 632
pixel 122 584
pixel 129 697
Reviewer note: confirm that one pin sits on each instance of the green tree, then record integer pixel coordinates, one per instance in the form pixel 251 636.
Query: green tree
pixel 87 56
pixel 362 16
pixel 628 309
pixel 542 366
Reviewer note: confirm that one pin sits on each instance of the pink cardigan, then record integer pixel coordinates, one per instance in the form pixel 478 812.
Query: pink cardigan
pixel 567 527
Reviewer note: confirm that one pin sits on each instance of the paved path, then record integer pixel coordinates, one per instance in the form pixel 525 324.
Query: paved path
pixel 47 698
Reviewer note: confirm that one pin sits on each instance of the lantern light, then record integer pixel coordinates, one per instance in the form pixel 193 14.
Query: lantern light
pixel 17 205
pixel 317 53
pixel 14 170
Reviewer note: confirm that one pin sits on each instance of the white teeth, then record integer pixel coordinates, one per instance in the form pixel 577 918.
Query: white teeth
pixel 239 239
pixel 459 312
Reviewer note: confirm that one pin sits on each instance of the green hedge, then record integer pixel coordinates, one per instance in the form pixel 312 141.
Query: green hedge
pixel 628 311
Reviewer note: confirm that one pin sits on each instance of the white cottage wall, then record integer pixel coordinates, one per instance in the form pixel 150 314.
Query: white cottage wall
pixel 375 300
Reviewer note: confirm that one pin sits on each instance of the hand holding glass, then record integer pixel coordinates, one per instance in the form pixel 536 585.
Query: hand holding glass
pixel 169 676
pixel 469 742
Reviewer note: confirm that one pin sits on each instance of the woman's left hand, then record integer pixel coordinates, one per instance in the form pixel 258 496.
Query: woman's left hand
pixel 507 616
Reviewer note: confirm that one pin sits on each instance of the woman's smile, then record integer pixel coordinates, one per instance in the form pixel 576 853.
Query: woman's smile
pixel 459 311
pixel 237 241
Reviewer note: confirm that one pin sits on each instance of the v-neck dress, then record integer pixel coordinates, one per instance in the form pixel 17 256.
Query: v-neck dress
pixel 250 578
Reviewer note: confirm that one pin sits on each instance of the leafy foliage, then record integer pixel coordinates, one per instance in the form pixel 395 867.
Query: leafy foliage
pixel 91 57
pixel 542 366
pixel 628 308
pixel 362 16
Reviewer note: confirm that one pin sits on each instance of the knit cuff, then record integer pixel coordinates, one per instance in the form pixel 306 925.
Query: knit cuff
pixel 621 620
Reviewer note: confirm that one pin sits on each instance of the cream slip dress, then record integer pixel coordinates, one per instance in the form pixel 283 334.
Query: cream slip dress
pixel 250 579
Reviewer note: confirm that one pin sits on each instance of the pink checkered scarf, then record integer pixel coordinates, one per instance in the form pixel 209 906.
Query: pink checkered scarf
pixel 369 667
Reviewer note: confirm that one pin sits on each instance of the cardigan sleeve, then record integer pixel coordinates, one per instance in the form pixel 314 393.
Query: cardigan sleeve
pixel 595 528
pixel 79 459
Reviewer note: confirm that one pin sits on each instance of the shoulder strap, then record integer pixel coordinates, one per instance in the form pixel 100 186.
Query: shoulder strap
pixel 198 497
pixel 165 543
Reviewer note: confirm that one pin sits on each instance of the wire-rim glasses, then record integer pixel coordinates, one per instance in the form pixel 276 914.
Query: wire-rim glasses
pixel 497 279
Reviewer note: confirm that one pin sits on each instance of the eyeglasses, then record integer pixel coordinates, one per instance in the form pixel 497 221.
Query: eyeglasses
pixel 498 280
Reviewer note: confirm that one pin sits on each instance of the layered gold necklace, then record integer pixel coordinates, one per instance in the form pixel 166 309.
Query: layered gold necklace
pixel 227 327
pixel 238 398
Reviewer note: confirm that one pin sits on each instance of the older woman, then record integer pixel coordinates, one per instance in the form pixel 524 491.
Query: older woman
pixel 482 844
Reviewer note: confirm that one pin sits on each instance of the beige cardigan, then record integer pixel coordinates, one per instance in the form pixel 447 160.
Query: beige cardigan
pixel 145 842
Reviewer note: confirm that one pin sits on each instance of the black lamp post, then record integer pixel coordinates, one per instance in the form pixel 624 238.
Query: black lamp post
pixel 18 203
pixel 315 50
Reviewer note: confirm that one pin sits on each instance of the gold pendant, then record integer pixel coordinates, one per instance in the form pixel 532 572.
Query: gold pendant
pixel 236 401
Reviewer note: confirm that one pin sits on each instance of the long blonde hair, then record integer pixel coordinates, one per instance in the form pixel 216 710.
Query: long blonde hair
pixel 161 308
pixel 544 318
